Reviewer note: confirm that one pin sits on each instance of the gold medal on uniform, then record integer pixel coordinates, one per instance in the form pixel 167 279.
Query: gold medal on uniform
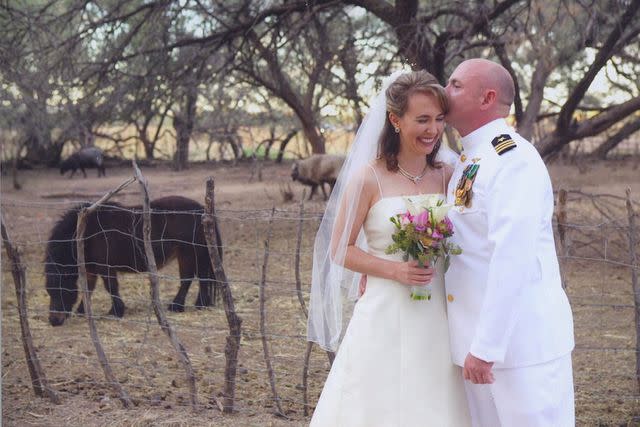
pixel 464 190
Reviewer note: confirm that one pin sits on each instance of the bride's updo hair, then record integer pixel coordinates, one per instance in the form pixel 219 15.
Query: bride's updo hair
pixel 397 96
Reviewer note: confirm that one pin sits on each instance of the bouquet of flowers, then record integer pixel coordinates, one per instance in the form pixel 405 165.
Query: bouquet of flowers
pixel 421 233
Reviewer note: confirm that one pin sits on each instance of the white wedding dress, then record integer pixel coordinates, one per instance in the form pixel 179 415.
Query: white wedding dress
pixel 393 367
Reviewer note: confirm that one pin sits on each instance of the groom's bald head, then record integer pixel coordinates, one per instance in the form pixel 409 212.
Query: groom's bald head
pixel 479 91
pixel 494 76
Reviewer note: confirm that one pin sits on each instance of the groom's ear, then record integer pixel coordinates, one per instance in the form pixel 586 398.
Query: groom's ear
pixel 489 99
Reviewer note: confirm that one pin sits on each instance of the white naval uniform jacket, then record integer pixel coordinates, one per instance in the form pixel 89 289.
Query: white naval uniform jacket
pixel 505 300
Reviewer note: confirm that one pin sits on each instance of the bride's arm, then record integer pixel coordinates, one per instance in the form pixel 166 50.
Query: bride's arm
pixel 356 259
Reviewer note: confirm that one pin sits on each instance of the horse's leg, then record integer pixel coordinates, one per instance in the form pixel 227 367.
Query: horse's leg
pixel 185 266
pixel 92 278
pixel 332 184
pixel 113 287
pixel 324 193
pixel 83 171
pixel 205 297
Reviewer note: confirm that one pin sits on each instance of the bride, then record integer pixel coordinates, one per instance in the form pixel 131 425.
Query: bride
pixel 394 366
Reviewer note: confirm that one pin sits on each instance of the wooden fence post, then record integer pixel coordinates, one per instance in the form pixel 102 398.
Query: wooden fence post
pixel 155 287
pixel 235 322
pixel 263 315
pixel 297 260
pixel 562 232
pixel 86 295
pixel 633 255
pixel 39 381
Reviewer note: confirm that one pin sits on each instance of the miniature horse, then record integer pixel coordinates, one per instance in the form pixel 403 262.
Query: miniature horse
pixel 114 244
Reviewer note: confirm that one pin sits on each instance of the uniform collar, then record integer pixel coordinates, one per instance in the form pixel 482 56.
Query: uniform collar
pixel 480 139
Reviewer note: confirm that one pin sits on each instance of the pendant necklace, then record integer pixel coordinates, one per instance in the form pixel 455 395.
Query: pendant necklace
pixel 414 178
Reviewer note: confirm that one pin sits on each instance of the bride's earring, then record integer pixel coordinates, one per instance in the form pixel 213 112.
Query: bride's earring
pixel 397 129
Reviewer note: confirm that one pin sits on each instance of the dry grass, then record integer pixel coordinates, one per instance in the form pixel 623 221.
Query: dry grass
pixel 141 357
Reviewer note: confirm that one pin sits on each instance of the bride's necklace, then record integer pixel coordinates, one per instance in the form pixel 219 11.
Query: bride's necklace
pixel 414 178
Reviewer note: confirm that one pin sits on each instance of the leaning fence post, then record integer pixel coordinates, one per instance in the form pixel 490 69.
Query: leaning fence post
pixel 633 254
pixel 155 287
pixel 263 315
pixel 86 295
pixel 235 322
pixel 38 379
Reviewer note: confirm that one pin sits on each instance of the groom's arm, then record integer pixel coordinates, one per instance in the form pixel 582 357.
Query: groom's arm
pixel 514 216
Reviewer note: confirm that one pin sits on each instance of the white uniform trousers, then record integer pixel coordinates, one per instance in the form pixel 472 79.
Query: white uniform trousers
pixel 531 396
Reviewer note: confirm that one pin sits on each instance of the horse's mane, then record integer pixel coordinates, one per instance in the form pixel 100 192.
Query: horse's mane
pixel 60 253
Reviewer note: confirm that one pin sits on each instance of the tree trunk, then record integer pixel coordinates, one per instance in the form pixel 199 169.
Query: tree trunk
pixel 43 152
pixel 538 81
pixel 183 124
pixel 312 132
pixel 149 148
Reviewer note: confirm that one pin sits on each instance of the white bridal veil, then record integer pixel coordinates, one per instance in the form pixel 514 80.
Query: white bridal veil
pixel 329 276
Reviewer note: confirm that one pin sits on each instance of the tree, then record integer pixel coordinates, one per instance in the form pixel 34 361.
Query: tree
pixel 160 56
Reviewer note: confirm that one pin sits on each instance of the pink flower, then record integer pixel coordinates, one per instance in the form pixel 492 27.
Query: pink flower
pixel 421 220
pixel 406 219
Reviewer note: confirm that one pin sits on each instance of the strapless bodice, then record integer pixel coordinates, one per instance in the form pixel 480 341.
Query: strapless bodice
pixel 377 227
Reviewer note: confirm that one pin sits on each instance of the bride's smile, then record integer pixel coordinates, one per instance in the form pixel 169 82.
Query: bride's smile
pixel 420 127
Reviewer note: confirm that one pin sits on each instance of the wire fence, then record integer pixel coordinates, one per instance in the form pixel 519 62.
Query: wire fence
pixel 189 360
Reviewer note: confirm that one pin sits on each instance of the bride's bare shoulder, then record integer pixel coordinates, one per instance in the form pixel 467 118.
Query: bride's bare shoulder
pixel 367 177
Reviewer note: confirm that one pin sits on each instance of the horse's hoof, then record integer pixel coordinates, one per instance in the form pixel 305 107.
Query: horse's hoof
pixel 177 308
pixel 117 312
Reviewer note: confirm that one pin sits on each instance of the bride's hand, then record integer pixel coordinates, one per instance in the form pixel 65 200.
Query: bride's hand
pixel 410 273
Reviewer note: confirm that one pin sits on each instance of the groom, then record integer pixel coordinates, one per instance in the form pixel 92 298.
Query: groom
pixel 510 322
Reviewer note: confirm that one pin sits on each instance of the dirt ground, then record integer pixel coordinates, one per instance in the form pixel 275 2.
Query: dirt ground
pixel 148 368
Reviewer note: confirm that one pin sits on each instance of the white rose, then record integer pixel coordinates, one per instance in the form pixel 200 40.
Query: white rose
pixel 439 212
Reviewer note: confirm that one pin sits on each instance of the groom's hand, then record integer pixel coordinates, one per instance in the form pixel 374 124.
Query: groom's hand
pixel 477 370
